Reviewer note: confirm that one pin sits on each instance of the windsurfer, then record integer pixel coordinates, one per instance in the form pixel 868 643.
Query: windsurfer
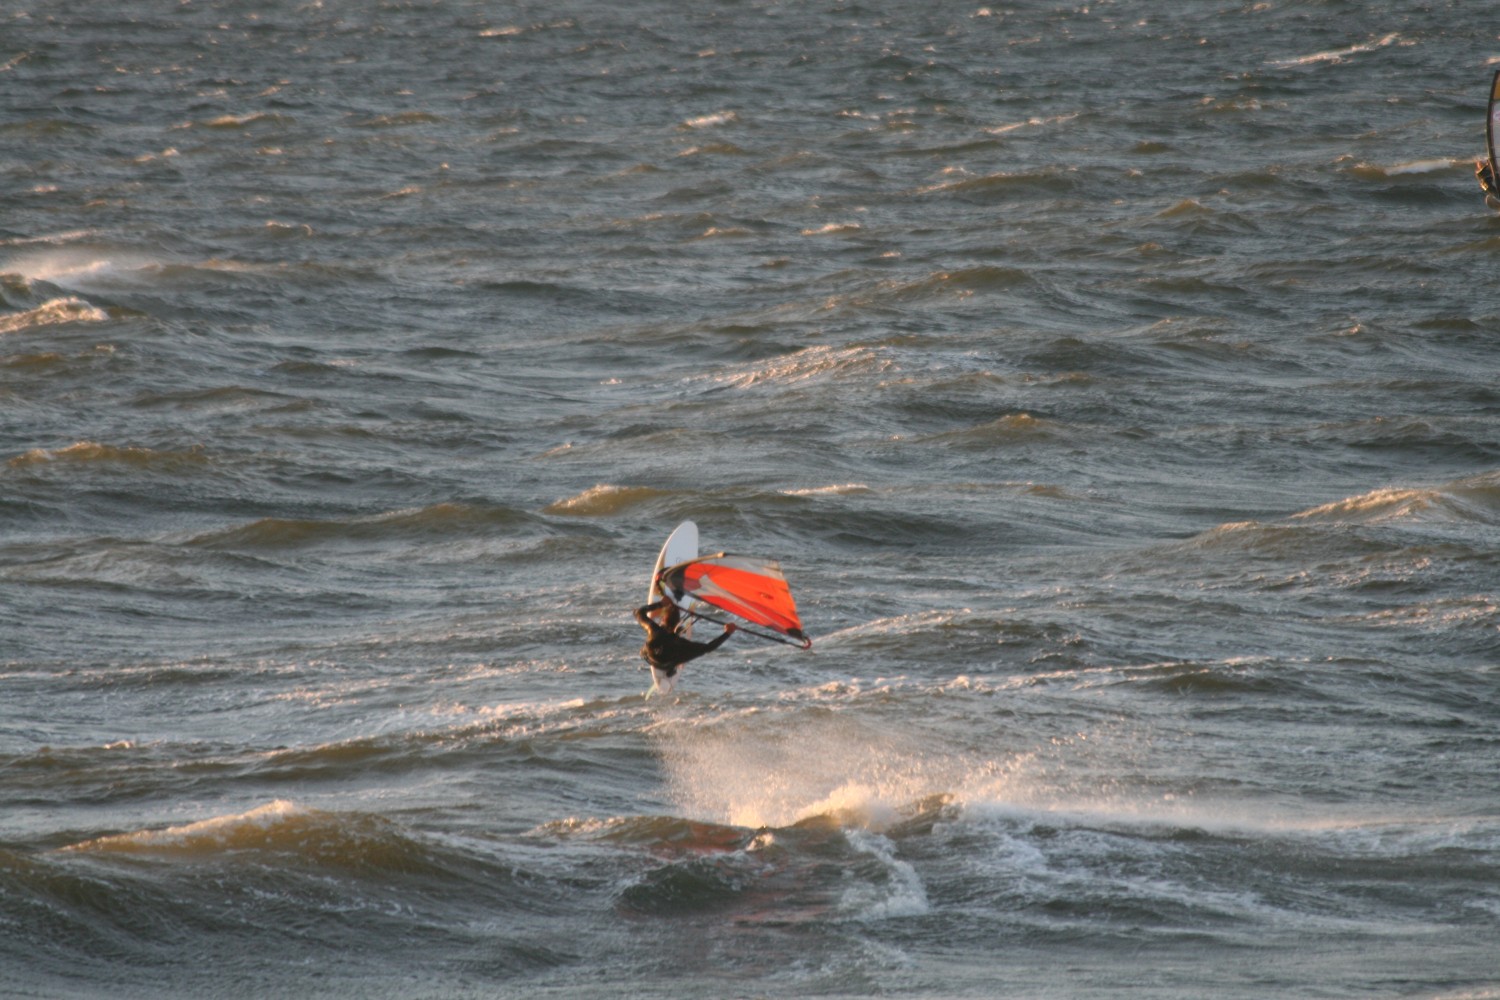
pixel 1486 175
pixel 665 650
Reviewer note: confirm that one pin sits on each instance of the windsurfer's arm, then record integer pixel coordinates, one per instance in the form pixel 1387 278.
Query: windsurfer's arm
pixel 683 650
pixel 718 640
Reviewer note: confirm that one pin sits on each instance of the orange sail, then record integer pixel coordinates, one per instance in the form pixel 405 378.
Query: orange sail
pixel 747 587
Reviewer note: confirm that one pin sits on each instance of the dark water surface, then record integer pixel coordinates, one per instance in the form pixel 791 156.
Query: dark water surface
pixel 1115 382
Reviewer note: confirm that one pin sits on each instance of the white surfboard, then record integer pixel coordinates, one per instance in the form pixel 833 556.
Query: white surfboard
pixel 680 546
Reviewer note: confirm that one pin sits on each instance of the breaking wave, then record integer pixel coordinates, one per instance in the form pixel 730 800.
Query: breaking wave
pixel 605 500
pixel 1474 500
pixel 51 313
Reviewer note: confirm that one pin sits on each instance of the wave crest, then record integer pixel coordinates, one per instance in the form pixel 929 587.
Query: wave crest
pixel 437 520
pixel 84 452
pixel 280 827
pixel 604 500
pixel 52 312
pixel 1475 500
pixel 1336 56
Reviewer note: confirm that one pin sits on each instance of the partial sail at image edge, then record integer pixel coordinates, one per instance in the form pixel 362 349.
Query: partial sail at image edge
pixel 1492 124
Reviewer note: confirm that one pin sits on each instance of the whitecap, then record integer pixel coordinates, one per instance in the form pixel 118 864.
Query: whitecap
pixel 1031 123
pixel 603 499
pixel 840 489
pixel 902 895
pixel 52 312
pixel 1338 55
pixel 708 121
pixel 833 229
pixel 811 363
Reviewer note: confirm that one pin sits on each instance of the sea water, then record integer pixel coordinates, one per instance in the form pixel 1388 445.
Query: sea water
pixel 1114 381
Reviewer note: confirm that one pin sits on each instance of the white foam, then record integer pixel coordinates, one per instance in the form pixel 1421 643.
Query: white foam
pixel 80 268
pixel 833 229
pixel 764 769
pixel 902 895
pixel 708 121
pixel 1338 55
pixel 835 490
pixel 1431 166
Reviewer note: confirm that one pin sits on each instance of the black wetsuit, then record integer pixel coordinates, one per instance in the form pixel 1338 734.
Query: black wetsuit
pixel 666 650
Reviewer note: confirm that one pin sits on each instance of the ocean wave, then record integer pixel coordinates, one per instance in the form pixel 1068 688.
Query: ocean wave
pixel 809 364
pixel 1276 539
pixel 246 120
pixel 93 269
pixel 605 500
pixel 725 232
pixel 779 769
pixel 1468 502
pixel 1010 429
pixel 1005 184
pixel 1474 500
pixel 1239 676
pixel 47 128
pixel 1259 833
pixel 764 875
pixel 64 265
pixel 1458 438
pixel 662 834
pixel 1190 216
pixel 120 271
pixel 900 893
pixel 1410 169
pixel 517 30
pixel 610 500
pixel 48 359
pixel 1336 56
pixel 52 312
pixel 286 230
pixel 91 452
pixel 714 149
pixel 349 841
pixel 437 520
pixel 1478 614
pixel 698 886
pixel 220 399
pixel 834 229
pixel 841 489
pixel 1032 123
pixel 712 120
pixel 962 282
pixel 401 119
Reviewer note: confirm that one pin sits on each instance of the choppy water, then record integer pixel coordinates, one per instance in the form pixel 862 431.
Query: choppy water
pixel 1115 383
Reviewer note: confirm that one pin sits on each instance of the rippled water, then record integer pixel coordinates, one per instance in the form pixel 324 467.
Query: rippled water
pixel 1115 384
